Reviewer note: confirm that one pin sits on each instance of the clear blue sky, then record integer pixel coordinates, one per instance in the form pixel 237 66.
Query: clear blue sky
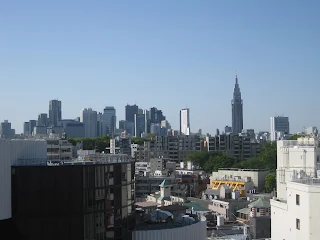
pixel 169 54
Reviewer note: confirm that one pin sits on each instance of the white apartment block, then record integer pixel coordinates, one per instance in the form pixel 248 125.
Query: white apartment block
pixel 279 126
pixel 295 211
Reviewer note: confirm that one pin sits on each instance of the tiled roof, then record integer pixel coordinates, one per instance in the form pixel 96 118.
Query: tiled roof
pixel 260 203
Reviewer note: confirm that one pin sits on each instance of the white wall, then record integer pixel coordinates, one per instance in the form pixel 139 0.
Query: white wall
pixel 290 158
pixel 11 152
pixel 284 215
pixel 196 231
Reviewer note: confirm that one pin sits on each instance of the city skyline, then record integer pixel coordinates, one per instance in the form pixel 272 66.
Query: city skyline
pixel 190 53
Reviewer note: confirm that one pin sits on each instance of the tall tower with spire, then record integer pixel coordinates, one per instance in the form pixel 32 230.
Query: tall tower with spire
pixel 237 109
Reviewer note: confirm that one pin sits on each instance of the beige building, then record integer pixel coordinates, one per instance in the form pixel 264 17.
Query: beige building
pixel 235 174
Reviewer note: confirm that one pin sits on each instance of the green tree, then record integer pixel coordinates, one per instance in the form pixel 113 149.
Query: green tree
pixel 98 143
pixel 271 182
pixel 294 137
pixel 198 158
pixel 268 155
pixel 251 163
pixel 138 140
pixel 211 161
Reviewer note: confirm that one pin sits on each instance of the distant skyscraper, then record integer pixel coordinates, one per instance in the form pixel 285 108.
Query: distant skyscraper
pixel 42 120
pixel 26 128
pixel 54 112
pixel 89 118
pixel 5 129
pixel 109 120
pixel 278 125
pixel 237 109
pixel 99 124
pixel 139 124
pixel 185 121
pixel 156 116
pixel 131 110
pixel 147 121
pixel 32 124
pixel 227 129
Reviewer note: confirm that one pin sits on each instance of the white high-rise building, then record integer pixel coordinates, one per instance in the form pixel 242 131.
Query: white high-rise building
pixel 295 210
pixel 89 118
pixel 279 126
pixel 185 121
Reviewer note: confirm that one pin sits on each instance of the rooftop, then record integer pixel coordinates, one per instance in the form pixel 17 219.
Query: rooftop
pixel 100 159
pixel 260 203
pixel 307 181
pixel 173 208
pixel 147 204
pixel 243 170
pixel 197 207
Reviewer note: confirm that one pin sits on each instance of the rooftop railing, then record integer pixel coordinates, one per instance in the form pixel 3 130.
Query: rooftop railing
pixel 307 181
pixel 100 159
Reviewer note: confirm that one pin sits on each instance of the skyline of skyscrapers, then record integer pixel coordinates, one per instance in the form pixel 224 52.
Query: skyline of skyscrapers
pixel 237 109
pixel 146 121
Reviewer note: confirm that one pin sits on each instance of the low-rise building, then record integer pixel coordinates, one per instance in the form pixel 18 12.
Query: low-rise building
pixel 235 174
pixel 58 148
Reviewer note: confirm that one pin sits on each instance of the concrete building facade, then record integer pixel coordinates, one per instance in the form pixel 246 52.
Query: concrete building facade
pixel 294 212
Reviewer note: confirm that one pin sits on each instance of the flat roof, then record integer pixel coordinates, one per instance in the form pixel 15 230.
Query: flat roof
pixel 244 170
pixel 146 204
pixel 174 207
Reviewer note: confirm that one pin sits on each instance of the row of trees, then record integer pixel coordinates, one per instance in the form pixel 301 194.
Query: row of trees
pixel 98 143
pixel 211 161
pixel 140 140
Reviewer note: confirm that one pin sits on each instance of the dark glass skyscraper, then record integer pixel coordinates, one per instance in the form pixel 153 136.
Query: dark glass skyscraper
pixel 237 109
pixel 54 112
pixel 131 110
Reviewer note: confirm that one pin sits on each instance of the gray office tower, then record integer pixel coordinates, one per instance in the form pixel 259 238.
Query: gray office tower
pixel 237 109
pixel 54 112
pixel 109 120
pixel 42 120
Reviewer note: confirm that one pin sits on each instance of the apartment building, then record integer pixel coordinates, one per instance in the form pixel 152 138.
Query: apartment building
pixel 294 211
pixel 238 146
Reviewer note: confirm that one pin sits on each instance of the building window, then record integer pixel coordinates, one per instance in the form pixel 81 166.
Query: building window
pixel 298 223
pixel 297 199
